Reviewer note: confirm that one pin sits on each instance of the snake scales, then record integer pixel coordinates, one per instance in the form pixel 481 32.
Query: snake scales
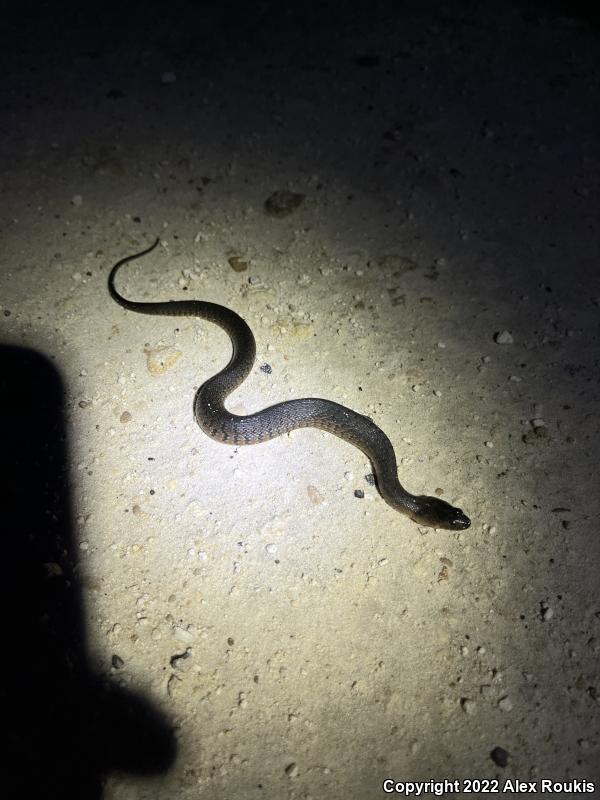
pixel 214 419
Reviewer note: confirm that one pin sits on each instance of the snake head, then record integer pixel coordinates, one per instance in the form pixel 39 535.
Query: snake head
pixel 437 513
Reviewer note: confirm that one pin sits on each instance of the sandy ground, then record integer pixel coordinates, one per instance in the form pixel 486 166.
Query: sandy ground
pixel 440 274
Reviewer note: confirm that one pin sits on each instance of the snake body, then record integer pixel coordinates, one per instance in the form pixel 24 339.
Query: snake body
pixel 220 424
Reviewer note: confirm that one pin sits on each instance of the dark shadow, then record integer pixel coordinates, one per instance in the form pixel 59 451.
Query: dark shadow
pixel 65 727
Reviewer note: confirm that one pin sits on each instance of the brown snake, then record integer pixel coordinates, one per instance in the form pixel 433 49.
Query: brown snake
pixel 214 419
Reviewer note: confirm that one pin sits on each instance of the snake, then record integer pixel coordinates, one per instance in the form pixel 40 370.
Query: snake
pixel 223 426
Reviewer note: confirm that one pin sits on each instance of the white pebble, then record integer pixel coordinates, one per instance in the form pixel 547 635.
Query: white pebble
pixel 77 200
pixel 547 613
pixel 271 549
pixel 503 337
pixel 505 703
pixel 468 706
pixel 182 635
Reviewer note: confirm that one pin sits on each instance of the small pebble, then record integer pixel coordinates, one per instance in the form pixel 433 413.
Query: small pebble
pixel 182 635
pixel 584 744
pixel 500 756
pixel 503 337
pixel 291 770
pixel 271 549
pixel 52 569
pixel 168 77
pixel 77 200
pixel 237 264
pixel 505 703
pixel 468 706
pixel 281 203
pixel 178 661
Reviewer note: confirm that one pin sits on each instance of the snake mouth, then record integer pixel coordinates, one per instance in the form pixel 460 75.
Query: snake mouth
pixel 461 522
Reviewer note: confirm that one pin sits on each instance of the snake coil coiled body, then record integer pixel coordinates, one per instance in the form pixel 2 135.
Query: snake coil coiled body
pixel 220 424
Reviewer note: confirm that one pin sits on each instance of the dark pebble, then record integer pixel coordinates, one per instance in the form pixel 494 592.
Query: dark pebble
pixel 500 756
pixel 282 203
